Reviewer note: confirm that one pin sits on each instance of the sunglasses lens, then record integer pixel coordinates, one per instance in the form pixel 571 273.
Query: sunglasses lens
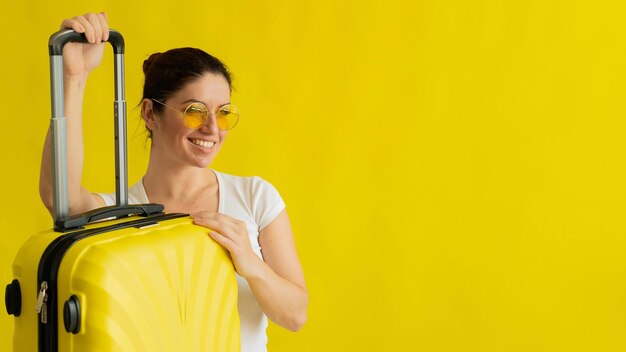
pixel 196 115
pixel 227 117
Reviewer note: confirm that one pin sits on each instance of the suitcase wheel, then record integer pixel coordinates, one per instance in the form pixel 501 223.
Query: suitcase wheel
pixel 71 315
pixel 13 298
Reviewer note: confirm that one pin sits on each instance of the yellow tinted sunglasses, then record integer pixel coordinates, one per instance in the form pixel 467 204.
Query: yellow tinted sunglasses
pixel 196 115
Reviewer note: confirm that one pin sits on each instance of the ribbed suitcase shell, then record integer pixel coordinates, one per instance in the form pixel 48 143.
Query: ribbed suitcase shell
pixel 166 287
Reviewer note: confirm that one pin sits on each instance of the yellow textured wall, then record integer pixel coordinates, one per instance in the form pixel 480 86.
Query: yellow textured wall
pixel 454 170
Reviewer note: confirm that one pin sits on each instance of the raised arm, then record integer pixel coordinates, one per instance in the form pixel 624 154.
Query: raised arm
pixel 78 62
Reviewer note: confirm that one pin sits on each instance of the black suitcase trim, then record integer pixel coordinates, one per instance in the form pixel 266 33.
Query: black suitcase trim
pixel 48 271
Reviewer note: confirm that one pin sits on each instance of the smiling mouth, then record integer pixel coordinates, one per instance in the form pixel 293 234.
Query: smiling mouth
pixel 202 144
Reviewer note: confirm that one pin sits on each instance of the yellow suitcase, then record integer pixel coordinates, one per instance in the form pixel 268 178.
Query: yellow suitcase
pixel 147 282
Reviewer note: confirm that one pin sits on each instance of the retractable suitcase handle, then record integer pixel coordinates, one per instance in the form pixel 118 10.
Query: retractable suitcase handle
pixel 59 142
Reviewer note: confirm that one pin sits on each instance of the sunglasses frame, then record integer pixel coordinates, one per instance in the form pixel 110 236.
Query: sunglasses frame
pixel 208 113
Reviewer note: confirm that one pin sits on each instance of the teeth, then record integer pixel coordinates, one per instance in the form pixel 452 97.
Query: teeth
pixel 201 143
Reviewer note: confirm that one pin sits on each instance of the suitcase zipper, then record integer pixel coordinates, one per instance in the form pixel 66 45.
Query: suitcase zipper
pixel 49 267
pixel 41 302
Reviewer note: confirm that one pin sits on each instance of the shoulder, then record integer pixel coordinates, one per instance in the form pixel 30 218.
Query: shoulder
pixel 254 184
pixel 256 196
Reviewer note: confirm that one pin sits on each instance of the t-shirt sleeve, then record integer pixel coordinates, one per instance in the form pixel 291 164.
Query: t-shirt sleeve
pixel 136 195
pixel 109 198
pixel 267 202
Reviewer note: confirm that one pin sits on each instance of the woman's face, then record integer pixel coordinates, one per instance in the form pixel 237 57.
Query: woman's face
pixel 179 144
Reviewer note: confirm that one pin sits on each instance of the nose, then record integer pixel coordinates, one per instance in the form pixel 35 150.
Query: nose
pixel 210 126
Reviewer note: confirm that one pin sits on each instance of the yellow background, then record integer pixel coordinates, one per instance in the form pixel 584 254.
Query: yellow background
pixel 454 170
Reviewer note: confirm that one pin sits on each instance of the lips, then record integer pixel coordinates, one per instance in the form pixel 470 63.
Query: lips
pixel 202 143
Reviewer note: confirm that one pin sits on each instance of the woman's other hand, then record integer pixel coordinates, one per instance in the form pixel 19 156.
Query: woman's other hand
pixel 232 234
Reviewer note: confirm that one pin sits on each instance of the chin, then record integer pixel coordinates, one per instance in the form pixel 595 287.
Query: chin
pixel 203 164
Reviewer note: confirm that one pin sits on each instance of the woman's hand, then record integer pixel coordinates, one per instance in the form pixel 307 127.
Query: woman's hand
pixel 80 59
pixel 278 282
pixel 233 235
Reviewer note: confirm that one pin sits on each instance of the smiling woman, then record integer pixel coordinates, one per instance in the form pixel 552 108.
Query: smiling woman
pixel 187 111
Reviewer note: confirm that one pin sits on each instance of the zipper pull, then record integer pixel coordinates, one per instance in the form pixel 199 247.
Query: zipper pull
pixel 43 296
pixel 44 311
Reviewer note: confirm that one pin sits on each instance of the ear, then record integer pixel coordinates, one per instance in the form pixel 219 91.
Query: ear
pixel 147 114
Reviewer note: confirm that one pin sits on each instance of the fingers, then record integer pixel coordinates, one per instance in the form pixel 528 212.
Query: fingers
pixel 104 23
pixel 226 226
pixel 219 232
pixel 232 234
pixel 223 240
pixel 89 31
pixel 219 217
pixel 95 26
pixel 73 24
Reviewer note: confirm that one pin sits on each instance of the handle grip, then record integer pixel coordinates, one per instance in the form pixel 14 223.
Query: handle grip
pixel 80 220
pixel 58 40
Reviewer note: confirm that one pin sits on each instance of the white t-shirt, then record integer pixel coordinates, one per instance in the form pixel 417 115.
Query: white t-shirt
pixel 257 203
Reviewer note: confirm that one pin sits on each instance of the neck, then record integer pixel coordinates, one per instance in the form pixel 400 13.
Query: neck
pixel 163 180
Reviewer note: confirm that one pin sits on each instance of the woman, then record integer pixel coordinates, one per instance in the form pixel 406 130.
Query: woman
pixel 186 109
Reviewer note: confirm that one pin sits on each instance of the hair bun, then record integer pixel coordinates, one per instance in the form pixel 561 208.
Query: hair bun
pixel 148 62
